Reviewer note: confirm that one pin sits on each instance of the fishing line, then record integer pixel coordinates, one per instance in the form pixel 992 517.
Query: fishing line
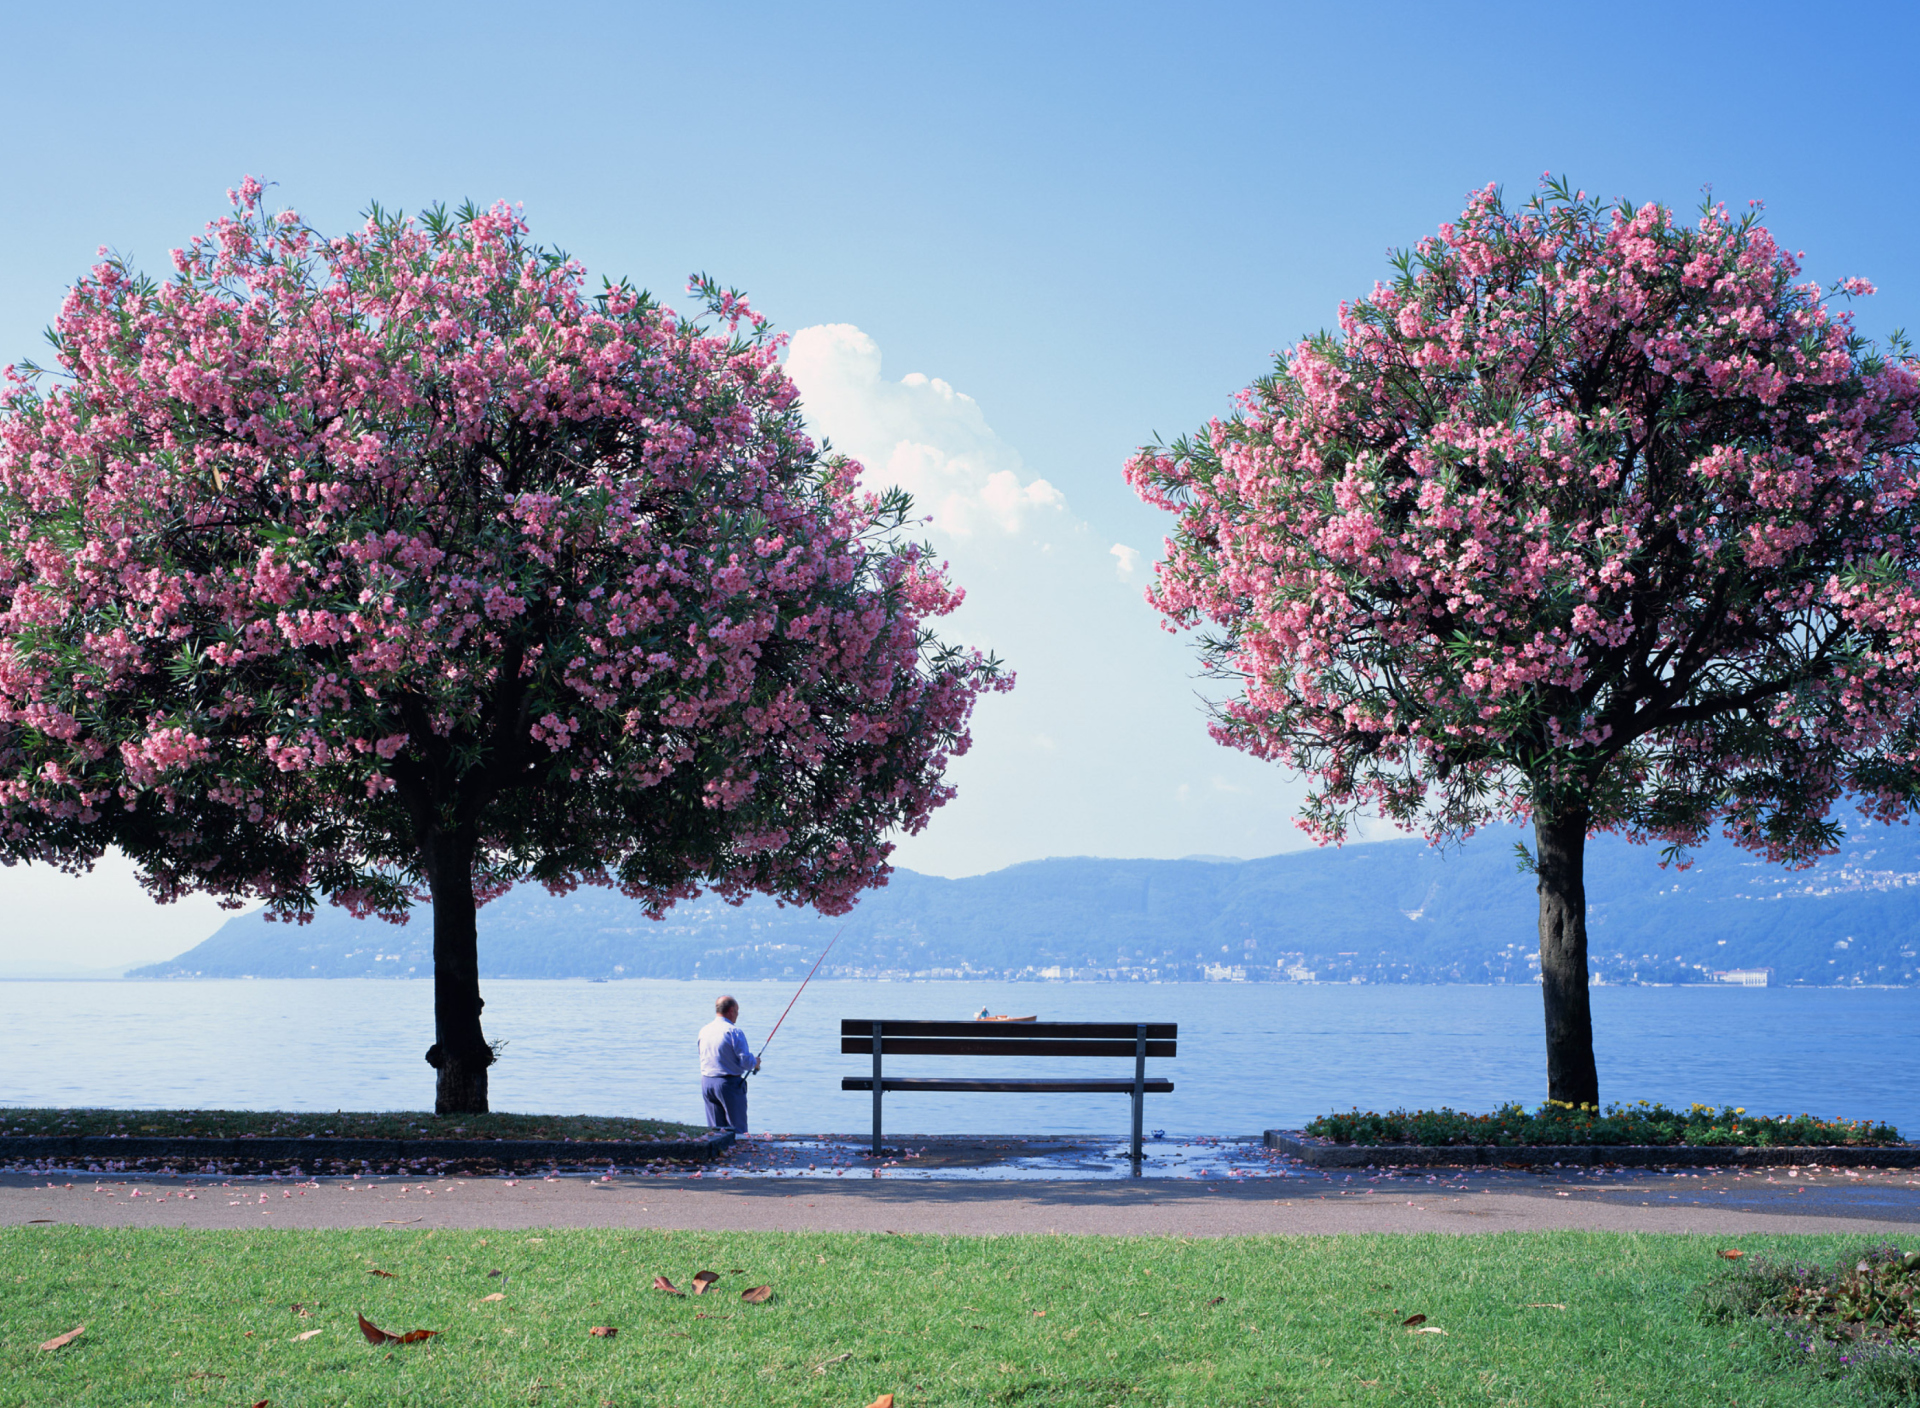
pixel 803 987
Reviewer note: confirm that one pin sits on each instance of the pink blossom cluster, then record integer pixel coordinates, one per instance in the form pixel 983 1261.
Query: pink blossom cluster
pixel 324 544
pixel 1589 508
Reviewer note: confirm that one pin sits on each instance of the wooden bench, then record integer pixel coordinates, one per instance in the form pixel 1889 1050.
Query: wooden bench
pixel 885 1037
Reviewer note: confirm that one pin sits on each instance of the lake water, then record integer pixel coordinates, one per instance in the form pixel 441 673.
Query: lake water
pixel 1252 1056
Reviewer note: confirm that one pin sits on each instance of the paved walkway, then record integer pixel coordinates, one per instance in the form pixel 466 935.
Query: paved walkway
pixel 1729 1204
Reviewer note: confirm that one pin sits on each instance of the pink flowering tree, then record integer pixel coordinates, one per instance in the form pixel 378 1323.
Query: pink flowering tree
pixel 398 563
pixel 1591 517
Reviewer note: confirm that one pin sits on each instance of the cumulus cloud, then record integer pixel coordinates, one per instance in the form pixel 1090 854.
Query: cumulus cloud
pixel 917 432
pixel 1102 749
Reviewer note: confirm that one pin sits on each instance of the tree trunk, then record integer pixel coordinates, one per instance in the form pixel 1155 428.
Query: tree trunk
pixel 1560 863
pixel 460 1052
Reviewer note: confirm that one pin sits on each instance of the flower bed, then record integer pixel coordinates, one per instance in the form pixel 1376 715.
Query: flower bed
pixel 1642 1123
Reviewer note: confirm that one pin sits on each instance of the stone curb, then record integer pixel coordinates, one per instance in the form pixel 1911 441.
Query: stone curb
pixel 1324 1153
pixel 97 1148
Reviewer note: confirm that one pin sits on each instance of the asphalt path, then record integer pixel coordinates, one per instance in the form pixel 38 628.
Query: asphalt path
pixel 1734 1203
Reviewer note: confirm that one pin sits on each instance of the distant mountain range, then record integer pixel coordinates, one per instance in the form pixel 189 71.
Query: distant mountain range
pixel 1387 911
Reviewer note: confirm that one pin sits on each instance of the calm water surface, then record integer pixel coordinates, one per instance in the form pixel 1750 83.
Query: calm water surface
pixel 1252 1056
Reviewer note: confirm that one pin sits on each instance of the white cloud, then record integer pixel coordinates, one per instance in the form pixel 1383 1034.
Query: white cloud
pixel 917 432
pixel 1103 748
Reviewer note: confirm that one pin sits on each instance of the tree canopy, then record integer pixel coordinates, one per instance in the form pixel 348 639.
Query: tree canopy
pixel 348 567
pixel 1588 515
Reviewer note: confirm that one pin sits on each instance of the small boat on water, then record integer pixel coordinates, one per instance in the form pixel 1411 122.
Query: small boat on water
pixel 985 1016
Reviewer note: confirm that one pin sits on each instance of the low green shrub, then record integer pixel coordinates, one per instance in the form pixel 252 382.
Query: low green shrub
pixel 1856 1320
pixel 1643 1122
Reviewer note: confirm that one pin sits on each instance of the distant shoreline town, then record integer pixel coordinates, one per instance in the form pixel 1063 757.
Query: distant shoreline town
pixel 1386 912
pixel 1293 976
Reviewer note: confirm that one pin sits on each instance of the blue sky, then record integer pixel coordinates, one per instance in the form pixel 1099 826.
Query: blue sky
pixel 1014 242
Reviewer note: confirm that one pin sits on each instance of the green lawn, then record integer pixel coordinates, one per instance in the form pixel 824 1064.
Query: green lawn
pixel 379 1124
pixel 207 1317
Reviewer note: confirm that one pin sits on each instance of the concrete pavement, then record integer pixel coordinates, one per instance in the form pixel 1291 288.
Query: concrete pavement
pixel 1733 1203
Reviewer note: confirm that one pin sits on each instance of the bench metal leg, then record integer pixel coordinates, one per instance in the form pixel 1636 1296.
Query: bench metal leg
pixel 1139 1091
pixel 876 1089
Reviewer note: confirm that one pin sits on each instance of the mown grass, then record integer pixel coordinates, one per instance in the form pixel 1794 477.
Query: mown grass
pixel 347 1124
pixel 176 1316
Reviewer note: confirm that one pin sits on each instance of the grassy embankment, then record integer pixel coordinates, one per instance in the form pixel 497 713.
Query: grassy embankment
pixel 347 1124
pixel 1544 1319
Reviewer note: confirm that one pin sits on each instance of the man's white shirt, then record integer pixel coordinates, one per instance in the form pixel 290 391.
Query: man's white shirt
pixel 723 1049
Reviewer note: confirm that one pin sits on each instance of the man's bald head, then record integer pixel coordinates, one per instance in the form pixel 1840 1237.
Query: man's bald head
pixel 726 1007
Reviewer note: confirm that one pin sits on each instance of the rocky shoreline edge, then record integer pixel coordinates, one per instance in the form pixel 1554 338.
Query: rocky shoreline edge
pixel 1325 1153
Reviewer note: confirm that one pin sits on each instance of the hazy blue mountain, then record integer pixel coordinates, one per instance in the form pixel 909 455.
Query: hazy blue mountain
pixel 1390 911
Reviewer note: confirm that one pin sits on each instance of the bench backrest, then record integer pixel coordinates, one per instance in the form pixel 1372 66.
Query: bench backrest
pixel 905 1038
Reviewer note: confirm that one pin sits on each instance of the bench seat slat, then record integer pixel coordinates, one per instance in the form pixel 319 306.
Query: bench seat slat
pixel 1155 1085
pixel 993 1031
pixel 891 1045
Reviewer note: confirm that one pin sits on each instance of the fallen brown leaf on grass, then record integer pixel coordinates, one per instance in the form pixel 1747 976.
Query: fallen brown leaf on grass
pixel 1426 1330
pixel 263 1403
pixel 605 1332
pixel 1545 1305
pixel 1216 1300
pixel 376 1271
pixel 757 1295
pixel 885 1400
pixel 61 1341
pixel 376 1335
pixel 303 1335
pixel 661 1283
pixel 1413 1320
pixel 1038 1313
pixel 497 1295
pixel 824 1364
pixel 1731 1255
pixel 302 1311
pixel 702 1280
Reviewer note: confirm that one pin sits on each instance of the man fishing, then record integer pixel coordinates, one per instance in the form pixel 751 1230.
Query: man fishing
pixel 725 1061
pixel 725 1064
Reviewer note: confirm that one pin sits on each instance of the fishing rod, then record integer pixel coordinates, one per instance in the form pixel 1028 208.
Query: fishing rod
pixel 802 988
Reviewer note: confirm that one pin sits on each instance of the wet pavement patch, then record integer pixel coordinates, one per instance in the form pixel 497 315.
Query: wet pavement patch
pixel 996 1157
